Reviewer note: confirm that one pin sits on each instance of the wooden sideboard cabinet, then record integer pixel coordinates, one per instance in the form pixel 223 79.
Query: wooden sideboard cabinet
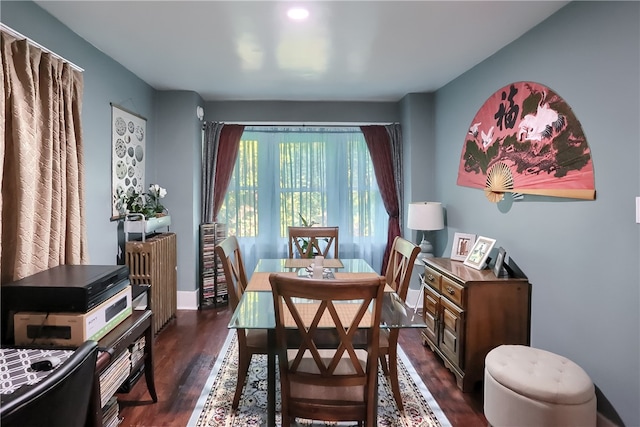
pixel 468 312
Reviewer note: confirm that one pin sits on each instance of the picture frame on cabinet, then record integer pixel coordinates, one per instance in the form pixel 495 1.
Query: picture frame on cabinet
pixel 498 266
pixel 477 257
pixel 462 244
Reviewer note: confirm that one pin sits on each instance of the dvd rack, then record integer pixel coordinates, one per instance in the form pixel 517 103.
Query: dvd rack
pixel 213 286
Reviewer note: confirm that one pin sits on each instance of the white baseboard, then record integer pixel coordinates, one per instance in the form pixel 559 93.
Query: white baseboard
pixel 187 300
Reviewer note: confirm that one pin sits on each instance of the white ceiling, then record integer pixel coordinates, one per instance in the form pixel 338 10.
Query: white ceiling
pixel 345 51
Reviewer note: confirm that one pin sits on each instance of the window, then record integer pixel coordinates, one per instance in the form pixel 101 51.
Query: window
pixel 323 175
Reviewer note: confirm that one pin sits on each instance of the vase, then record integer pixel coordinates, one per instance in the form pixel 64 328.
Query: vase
pixel 147 226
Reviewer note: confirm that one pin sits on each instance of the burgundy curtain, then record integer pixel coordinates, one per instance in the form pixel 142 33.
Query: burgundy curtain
pixel 221 144
pixel 379 145
pixel 225 161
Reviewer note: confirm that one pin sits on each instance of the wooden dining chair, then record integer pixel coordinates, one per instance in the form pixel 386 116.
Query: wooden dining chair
pixel 336 383
pixel 398 275
pixel 250 341
pixel 310 241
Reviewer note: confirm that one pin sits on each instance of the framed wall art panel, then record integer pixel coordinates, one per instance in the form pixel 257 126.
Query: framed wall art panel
pixel 128 138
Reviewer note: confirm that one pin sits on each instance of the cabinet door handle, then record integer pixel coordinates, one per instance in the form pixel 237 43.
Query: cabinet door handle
pixel 430 277
pixel 450 290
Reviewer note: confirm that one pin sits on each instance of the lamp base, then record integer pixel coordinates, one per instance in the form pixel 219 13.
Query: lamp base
pixel 426 249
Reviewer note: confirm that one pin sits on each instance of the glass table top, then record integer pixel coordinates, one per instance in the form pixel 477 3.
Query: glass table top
pixel 255 309
pixel 278 264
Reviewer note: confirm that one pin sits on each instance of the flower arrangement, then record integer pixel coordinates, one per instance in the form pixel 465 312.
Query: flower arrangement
pixel 154 195
pixel 147 203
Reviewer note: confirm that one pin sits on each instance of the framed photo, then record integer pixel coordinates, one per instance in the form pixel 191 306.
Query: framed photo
pixel 462 244
pixel 497 267
pixel 479 253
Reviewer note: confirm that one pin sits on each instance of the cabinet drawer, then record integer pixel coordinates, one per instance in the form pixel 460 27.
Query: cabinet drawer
pixel 430 314
pixel 452 332
pixel 453 291
pixel 432 278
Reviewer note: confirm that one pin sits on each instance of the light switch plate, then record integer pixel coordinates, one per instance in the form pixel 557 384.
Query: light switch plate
pixel 637 210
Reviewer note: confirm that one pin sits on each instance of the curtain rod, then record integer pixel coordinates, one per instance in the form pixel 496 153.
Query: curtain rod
pixel 17 35
pixel 310 124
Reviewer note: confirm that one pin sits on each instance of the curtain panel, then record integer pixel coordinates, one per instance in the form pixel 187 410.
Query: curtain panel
pixel 321 174
pixel 220 151
pixel 382 155
pixel 225 161
pixel 42 205
pixel 209 161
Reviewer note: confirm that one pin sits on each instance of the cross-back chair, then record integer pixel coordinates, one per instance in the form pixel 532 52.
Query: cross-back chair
pixel 310 241
pixel 250 341
pixel 398 275
pixel 330 384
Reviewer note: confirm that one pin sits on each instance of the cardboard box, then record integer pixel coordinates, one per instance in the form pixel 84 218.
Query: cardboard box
pixel 72 329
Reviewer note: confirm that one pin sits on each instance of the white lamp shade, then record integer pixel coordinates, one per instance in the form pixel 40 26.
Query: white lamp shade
pixel 425 216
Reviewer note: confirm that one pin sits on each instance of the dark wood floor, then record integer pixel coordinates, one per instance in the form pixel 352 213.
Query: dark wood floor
pixel 188 346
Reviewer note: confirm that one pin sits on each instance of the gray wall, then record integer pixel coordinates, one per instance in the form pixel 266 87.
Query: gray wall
pixel 179 156
pixel 581 256
pixel 301 112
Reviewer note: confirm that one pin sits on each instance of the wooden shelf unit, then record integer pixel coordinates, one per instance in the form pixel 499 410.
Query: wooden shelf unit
pixel 213 286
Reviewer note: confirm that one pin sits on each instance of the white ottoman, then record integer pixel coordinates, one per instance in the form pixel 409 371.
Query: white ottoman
pixel 525 386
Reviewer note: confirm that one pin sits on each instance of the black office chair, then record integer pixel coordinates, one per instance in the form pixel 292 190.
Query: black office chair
pixel 60 399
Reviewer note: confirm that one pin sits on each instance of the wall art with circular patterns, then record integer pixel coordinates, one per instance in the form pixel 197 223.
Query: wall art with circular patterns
pixel 128 134
pixel 526 139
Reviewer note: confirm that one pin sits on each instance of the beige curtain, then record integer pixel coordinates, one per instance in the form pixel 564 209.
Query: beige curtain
pixel 42 205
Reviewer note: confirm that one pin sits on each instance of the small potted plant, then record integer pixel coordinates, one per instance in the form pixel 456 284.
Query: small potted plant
pixel 144 204
pixel 143 212
pixel 154 194
pixel 306 241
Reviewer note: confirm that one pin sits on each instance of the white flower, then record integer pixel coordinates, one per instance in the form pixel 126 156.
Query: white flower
pixel 156 191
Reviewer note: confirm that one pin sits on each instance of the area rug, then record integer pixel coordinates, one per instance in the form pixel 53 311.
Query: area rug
pixel 213 408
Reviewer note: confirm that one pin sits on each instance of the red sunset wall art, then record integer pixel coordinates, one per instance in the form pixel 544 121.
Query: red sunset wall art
pixel 526 139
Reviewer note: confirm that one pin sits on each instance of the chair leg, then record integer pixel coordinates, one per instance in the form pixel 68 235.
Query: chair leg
pixel 286 420
pixel 393 376
pixel 244 360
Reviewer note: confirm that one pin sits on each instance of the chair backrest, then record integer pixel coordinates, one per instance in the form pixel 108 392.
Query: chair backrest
pixel 400 266
pixel 337 383
pixel 235 275
pixel 310 241
pixel 60 399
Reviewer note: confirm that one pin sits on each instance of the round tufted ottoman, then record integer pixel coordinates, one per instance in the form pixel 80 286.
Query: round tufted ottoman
pixel 525 386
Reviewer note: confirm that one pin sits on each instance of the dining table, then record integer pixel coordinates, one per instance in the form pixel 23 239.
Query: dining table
pixel 256 311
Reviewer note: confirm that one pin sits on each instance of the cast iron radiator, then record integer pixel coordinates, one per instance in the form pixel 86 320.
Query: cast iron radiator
pixel 154 262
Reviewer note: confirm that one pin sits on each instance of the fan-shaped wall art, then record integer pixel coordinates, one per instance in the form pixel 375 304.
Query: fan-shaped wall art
pixel 526 139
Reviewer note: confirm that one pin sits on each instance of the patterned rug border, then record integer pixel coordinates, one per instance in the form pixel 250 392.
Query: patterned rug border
pixel 213 376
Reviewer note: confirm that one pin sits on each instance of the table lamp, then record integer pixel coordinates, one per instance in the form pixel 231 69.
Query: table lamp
pixel 425 216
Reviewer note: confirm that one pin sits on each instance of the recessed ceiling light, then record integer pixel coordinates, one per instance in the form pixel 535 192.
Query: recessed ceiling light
pixel 298 13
